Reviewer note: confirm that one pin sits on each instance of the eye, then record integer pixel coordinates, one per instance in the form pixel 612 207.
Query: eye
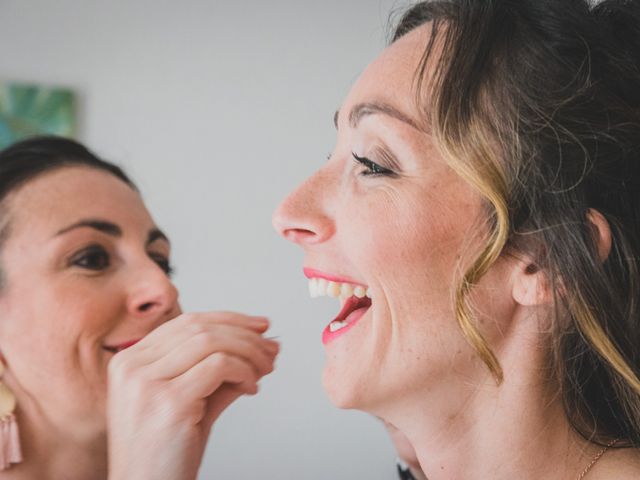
pixel 94 258
pixel 370 168
pixel 163 262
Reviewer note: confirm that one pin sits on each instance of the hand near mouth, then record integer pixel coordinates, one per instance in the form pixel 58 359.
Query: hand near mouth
pixel 166 391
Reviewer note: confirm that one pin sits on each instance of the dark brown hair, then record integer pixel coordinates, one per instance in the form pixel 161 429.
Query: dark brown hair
pixel 27 159
pixel 536 103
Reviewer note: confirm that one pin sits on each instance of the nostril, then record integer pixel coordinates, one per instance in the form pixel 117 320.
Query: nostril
pixel 299 235
pixel 145 307
pixel 308 236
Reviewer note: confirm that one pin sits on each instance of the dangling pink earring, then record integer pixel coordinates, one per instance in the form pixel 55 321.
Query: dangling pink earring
pixel 10 451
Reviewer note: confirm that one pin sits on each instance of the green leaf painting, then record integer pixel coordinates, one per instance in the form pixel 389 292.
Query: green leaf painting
pixel 27 110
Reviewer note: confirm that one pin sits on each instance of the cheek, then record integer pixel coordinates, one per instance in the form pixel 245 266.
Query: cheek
pixel 57 356
pixel 70 311
pixel 409 247
pixel 56 329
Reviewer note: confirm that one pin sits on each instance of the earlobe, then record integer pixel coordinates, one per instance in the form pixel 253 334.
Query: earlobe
pixel 601 233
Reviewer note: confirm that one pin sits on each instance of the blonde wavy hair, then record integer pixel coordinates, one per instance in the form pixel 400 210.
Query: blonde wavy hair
pixel 536 104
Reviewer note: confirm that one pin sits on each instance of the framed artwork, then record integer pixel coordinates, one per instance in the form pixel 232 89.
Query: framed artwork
pixel 27 110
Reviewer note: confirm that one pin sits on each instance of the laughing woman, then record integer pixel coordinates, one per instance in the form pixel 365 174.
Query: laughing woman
pixel 480 220
pixel 102 376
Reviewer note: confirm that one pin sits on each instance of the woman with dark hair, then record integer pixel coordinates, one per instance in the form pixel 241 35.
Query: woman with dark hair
pixel 479 219
pixel 102 376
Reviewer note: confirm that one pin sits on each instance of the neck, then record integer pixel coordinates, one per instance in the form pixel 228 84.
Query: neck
pixel 518 429
pixel 54 451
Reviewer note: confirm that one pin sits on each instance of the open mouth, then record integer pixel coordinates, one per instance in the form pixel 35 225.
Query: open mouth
pixel 355 299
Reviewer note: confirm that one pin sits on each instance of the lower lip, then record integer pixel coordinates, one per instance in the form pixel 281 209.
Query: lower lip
pixel 353 318
pixel 122 347
pixel 128 344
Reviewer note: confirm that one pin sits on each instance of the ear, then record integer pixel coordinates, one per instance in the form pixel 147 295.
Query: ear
pixel 601 233
pixel 531 285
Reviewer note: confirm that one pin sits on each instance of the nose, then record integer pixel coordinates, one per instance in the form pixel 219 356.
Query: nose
pixel 153 295
pixel 304 217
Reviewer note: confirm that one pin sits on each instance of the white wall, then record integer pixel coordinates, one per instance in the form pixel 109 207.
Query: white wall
pixel 218 109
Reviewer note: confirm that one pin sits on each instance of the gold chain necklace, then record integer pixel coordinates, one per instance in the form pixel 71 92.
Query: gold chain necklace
pixel 593 460
pixel 596 458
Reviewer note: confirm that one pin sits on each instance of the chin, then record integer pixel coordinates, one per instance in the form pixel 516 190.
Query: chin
pixel 345 391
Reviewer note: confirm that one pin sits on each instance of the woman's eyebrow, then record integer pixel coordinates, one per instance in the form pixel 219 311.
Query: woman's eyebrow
pixel 157 234
pixel 111 228
pixel 103 226
pixel 361 110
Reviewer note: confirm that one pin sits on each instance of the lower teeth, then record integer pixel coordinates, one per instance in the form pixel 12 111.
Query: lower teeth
pixel 337 325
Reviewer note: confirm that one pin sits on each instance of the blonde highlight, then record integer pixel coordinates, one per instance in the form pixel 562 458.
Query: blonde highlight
pixel 490 182
pixel 535 105
pixel 598 338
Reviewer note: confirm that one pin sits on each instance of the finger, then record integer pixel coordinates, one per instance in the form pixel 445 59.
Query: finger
pixel 164 338
pixel 195 321
pixel 206 377
pixel 258 323
pixel 250 346
pixel 254 322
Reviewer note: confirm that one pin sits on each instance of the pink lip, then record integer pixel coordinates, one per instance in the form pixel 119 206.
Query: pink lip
pixel 329 336
pixel 353 310
pixel 122 346
pixel 312 273
pixel 348 310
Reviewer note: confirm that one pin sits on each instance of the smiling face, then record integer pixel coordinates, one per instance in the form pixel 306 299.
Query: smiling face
pixel 84 272
pixel 388 214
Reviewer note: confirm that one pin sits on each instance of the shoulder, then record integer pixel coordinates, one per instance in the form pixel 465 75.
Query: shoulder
pixel 618 464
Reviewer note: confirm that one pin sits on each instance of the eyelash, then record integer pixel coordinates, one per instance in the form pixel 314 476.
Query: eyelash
pixel 83 260
pixel 371 168
pixel 163 263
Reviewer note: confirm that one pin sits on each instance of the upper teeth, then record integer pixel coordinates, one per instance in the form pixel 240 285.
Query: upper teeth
pixel 319 287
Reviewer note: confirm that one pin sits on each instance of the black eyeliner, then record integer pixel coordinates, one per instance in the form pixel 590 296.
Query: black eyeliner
pixel 373 169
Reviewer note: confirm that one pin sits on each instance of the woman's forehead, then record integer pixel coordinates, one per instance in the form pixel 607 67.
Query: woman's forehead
pixel 70 194
pixel 390 78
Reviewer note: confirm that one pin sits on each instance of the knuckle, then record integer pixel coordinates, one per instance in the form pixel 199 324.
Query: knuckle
pixel 194 319
pixel 188 318
pixel 197 326
pixel 203 341
pixel 123 370
pixel 220 360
